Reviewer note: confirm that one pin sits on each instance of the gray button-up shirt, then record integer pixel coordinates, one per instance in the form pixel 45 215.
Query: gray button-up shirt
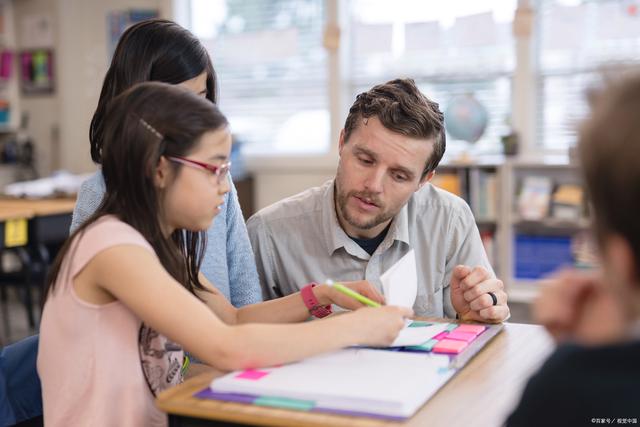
pixel 298 240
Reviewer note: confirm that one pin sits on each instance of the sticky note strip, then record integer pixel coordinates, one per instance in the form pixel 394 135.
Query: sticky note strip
pixel 478 329
pixel 449 346
pixel 282 402
pixel 428 346
pixel 15 233
pixel 419 324
pixel 451 327
pixel 462 336
pixel 251 374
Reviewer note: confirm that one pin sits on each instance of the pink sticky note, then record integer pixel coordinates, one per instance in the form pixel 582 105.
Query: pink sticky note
pixel 478 329
pixel 440 336
pixel 449 346
pixel 251 374
pixel 462 336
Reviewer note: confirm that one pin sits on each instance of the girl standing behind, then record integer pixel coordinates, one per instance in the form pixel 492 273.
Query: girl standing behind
pixel 161 50
pixel 125 293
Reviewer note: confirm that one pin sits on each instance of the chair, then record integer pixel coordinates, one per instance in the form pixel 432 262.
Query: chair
pixel 31 275
pixel 20 390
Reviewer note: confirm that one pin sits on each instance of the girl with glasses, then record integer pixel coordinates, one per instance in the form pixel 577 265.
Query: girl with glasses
pixel 125 294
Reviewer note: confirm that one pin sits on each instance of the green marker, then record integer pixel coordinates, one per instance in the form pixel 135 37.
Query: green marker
pixel 353 294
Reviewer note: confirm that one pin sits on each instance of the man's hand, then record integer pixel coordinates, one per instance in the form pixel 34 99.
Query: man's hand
pixel 470 295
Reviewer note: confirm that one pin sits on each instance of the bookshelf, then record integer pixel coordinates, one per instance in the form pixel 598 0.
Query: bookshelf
pixel 531 214
pixel 479 185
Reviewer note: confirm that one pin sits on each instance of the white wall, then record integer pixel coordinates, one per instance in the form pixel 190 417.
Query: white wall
pixel 271 187
pixel 80 60
pixel 278 177
pixel 82 63
pixel 42 109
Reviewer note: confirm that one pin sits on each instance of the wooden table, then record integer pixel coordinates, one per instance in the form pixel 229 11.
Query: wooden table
pixel 48 219
pixel 40 206
pixel 483 393
pixel 30 227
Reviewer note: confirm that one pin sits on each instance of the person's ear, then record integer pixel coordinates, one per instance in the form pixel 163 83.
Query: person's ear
pixel 426 179
pixel 341 142
pixel 162 173
pixel 620 259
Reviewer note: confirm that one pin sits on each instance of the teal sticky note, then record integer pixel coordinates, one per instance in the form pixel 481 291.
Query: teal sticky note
pixel 427 346
pixel 451 327
pixel 418 324
pixel 283 402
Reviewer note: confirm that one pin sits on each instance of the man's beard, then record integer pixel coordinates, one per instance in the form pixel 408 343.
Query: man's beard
pixel 341 203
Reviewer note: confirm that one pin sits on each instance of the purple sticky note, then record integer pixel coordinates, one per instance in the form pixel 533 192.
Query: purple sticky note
pixel 251 374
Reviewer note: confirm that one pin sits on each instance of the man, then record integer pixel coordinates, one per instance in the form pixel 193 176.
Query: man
pixel 379 206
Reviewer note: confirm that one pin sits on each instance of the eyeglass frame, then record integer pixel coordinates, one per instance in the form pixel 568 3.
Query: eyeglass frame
pixel 220 172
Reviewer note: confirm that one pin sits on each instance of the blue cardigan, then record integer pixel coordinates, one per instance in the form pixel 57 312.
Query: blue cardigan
pixel 228 260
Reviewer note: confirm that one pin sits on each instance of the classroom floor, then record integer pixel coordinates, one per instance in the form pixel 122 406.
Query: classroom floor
pixel 19 328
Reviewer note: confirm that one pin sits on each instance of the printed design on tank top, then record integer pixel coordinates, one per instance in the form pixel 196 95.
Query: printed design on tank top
pixel 161 360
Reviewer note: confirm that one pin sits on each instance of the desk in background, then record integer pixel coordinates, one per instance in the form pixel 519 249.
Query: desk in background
pixel 30 227
pixel 483 393
pixel 49 219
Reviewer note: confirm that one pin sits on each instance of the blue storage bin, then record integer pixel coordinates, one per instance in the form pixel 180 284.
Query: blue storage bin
pixel 537 256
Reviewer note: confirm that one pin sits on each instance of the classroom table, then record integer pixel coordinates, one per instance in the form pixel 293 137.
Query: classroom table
pixel 483 393
pixel 49 219
pixel 29 227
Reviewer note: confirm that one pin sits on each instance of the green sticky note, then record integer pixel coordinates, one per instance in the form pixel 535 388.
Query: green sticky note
pixel 451 327
pixel 283 402
pixel 427 346
pixel 418 324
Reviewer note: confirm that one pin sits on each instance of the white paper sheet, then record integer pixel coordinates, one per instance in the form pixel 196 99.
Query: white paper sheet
pixel 400 282
pixel 418 335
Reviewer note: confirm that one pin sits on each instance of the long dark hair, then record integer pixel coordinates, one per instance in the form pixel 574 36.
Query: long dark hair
pixel 142 124
pixel 153 50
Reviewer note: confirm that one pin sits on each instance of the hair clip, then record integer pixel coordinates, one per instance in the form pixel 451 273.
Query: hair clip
pixel 151 128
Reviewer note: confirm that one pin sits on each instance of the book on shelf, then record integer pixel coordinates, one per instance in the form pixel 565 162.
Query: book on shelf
pixel 535 197
pixel 488 240
pixel 537 256
pixel 585 250
pixel 449 182
pixel 567 202
pixel 486 198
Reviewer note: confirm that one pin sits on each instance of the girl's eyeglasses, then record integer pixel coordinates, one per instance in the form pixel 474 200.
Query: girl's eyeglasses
pixel 219 171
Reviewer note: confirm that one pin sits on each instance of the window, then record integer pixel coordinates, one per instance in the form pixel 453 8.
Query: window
pixel 440 46
pixel 576 41
pixel 272 71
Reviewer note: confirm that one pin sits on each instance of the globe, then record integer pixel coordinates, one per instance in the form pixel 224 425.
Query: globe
pixel 465 118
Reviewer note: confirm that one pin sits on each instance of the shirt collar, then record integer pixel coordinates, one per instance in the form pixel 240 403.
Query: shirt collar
pixel 336 238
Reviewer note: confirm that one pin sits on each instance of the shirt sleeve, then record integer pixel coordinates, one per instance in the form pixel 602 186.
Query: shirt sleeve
pixel 243 278
pixel 261 244
pixel 465 248
pixel 89 198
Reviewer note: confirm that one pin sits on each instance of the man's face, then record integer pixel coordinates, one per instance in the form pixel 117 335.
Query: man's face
pixel 378 172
